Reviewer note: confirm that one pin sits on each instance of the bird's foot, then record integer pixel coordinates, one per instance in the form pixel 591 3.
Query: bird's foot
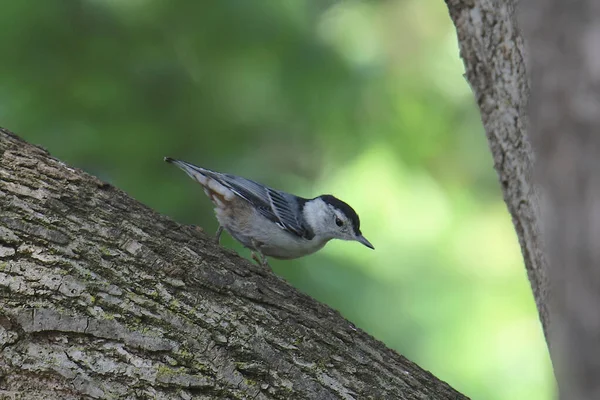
pixel 258 256
pixel 218 234
pixel 260 259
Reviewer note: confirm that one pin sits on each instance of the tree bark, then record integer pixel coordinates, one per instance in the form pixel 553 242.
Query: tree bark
pixel 104 298
pixel 493 53
pixel 564 39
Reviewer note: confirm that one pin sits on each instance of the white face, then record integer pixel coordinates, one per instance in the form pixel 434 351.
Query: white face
pixel 329 222
pixel 341 226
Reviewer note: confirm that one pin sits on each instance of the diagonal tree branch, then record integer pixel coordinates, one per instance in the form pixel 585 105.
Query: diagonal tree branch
pixel 104 298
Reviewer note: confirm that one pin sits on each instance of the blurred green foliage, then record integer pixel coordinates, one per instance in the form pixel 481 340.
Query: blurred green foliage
pixel 364 100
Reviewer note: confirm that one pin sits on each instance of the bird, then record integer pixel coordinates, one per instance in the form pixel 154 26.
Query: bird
pixel 273 223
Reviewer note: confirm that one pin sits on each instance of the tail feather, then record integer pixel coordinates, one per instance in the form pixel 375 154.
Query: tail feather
pixel 186 166
pixel 207 178
pixel 198 174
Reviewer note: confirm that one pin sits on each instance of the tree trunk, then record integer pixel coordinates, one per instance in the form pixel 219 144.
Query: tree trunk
pixel 564 42
pixel 493 53
pixel 563 38
pixel 104 298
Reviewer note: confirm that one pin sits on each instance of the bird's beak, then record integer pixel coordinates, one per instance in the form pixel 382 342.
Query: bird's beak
pixel 364 241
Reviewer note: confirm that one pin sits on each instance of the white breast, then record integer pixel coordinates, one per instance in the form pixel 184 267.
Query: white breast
pixel 250 228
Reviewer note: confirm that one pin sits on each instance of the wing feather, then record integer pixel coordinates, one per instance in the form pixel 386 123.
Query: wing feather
pixel 282 208
pixel 287 210
pixel 279 207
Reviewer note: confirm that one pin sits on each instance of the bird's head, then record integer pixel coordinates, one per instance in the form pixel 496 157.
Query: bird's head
pixel 331 218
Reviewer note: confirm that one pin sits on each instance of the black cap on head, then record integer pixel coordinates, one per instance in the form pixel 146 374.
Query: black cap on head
pixel 345 208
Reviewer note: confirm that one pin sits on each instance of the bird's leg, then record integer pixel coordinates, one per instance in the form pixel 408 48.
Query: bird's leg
pixel 261 259
pixel 258 256
pixel 264 260
pixel 218 234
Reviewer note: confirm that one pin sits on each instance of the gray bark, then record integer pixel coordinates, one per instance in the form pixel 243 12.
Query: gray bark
pixel 101 297
pixel 493 53
pixel 564 42
pixel 563 39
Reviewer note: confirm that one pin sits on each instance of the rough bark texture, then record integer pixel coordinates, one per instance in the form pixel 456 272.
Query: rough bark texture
pixel 564 39
pixel 104 298
pixel 494 58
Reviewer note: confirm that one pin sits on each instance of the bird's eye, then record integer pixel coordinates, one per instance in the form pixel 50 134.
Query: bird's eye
pixel 339 222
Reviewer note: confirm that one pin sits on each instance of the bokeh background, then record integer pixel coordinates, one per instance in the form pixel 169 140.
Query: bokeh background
pixel 364 100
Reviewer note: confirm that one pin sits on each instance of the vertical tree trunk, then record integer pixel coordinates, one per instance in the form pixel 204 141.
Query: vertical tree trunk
pixel 494 57
pixel 564 42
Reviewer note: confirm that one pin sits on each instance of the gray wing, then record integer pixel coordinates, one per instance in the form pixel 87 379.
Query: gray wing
pixel 282 208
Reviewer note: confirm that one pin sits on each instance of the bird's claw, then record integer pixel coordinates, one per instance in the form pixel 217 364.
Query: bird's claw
pixel 218 235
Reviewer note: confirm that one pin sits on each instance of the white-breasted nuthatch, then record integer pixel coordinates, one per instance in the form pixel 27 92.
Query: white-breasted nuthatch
pixel 274 223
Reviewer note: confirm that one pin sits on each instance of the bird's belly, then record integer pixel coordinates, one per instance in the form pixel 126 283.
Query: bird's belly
pixel 286 248
pixel 256 232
